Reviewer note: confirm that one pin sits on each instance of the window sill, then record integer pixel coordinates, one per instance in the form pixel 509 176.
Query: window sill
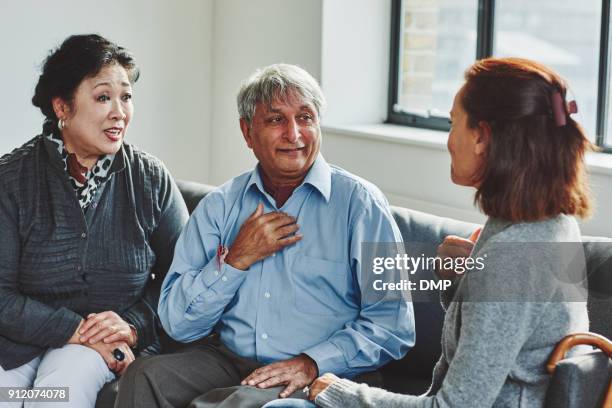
pixel 598 163
pixel 433 139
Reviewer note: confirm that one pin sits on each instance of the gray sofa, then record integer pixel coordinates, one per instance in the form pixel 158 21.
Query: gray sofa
pixel 412 374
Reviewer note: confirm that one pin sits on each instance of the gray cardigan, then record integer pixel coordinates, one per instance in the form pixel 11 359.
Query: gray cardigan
pixel 501 325
pixel 58 264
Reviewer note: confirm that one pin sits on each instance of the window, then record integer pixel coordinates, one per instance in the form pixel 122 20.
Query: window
pixel 434 41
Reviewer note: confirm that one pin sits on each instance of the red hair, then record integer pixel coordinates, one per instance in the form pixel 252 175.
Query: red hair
pixel 533 169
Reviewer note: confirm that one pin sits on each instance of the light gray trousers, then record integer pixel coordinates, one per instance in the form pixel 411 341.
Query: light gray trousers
pixel 80 368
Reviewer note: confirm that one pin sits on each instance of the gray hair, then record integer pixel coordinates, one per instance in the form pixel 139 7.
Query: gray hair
pixel 278 81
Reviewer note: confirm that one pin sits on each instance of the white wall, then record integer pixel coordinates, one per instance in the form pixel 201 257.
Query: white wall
pixel 194 55
pixel 410 165
pixel 417 174
pixel 249 35
pixel 351 58
pixel 172 44
pixel 411 175
pixel 355 51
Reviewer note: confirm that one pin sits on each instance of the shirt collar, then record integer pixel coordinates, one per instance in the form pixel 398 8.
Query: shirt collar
pixel 319 176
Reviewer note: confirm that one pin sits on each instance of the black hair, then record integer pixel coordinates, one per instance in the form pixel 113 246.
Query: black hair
pixel 79 57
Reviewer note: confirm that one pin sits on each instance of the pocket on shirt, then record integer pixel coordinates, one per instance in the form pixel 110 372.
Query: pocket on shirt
pixel 321 287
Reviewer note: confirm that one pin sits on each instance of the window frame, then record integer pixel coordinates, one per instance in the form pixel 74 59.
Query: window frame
pixel 484 48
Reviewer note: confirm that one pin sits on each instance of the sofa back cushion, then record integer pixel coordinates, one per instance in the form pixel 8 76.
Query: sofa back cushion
pixel 580 381
pixel 193 192
pixel 423 233
pixel 598 252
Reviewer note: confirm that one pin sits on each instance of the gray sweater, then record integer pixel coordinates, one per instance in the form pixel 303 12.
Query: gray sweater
pixel 502 323
pixel 58 264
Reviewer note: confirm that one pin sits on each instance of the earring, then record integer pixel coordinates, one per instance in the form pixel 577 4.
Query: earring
pixel 61 124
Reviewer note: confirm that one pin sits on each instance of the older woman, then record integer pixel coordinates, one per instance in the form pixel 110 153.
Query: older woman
pixel 87 222
pixel 512 139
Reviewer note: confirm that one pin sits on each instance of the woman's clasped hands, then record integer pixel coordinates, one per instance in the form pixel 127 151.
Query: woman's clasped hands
pixel 106 332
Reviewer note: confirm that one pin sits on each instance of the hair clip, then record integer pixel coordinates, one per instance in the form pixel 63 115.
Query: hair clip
pixel 560 109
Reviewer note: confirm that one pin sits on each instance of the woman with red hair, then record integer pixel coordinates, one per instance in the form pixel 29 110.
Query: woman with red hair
pixel 514 141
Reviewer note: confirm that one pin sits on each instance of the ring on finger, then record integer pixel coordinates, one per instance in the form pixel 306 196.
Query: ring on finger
pixel 118 354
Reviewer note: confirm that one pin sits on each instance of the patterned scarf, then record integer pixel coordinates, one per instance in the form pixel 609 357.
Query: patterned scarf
pixel 85 183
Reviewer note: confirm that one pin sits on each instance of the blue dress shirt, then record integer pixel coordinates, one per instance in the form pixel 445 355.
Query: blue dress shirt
pixel 307 298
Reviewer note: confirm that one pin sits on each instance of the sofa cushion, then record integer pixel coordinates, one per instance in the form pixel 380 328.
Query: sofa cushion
pixel 422 233
pixel 193 192
pixel 107 395
pixel 580 381
pixel 598 252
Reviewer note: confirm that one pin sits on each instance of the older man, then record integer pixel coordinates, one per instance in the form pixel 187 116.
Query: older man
pixel 269 266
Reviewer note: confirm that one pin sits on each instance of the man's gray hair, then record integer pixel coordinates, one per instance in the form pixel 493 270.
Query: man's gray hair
pixel 278 81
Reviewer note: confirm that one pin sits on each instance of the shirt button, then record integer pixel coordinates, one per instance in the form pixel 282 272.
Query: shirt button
pixel 264 336
pixel 93 205
pixel 84 235
pixel 216 273
pixel 224 279
pixel 267 294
